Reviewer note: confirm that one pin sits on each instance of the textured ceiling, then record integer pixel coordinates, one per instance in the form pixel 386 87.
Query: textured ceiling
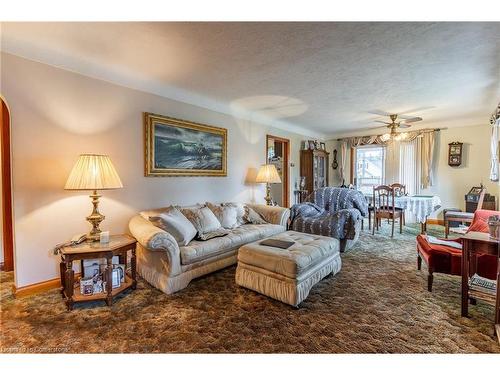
pixel 319 79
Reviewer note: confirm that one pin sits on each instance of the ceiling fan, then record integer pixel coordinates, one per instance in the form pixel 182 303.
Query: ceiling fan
pixel 406 122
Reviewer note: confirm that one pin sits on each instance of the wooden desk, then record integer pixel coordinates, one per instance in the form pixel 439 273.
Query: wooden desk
pixel 118 245
pixel 474 243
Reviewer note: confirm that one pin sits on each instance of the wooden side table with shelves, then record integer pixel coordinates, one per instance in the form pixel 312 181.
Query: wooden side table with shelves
pixel 119 245
pixel 474 243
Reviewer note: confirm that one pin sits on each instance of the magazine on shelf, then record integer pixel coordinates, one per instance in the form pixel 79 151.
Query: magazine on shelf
pixel 437 241
pixel 482 284
pixel 461 229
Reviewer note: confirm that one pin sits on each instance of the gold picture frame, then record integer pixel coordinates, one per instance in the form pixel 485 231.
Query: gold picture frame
pixel 175 147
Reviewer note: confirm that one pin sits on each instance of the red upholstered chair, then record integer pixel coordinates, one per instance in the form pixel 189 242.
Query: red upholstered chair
pixel 448 260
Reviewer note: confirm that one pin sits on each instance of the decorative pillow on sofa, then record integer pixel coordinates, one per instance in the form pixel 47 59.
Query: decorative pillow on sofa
pixel 205 222
pixel 154 212
pixel 175 223
pixel 253 217
pixel 227 215
pixel 240 211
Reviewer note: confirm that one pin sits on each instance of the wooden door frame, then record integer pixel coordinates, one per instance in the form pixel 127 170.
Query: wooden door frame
pixel 286 166
pixel 7 224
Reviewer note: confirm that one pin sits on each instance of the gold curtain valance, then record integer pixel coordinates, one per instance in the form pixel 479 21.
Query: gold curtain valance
pixel 381 138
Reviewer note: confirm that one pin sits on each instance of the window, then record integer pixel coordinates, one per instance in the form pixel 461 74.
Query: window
pixel 369 167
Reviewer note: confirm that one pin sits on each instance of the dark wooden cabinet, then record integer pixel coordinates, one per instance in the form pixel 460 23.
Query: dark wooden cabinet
pixel 487 204
pixel 472 199
pixel 314 167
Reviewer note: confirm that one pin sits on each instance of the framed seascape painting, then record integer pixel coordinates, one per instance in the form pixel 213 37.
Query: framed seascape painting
pixel 182 148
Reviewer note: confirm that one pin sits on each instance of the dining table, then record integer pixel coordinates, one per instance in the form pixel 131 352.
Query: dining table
pixel 420 206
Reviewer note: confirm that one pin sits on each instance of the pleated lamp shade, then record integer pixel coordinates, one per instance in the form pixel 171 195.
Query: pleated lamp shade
pixel 93 172
pixel 268 174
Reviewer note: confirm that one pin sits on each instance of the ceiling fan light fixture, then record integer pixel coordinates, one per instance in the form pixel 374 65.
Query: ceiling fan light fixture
pixel 401 136
pixel 385 137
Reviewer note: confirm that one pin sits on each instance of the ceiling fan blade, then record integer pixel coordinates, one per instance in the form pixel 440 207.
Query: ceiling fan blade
pixel 383 122
pixel 418 109
pixel 379 127
pixel 404 125
pixel 378 112
pixel 412 119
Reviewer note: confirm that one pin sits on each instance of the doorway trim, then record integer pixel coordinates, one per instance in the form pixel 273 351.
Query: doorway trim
pixel 7 222
pixel 286 166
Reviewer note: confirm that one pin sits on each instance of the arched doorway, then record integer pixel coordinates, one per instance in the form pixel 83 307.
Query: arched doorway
pixel 6 188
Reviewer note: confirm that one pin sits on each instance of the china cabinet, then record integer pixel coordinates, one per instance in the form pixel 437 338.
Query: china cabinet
pixel 314 167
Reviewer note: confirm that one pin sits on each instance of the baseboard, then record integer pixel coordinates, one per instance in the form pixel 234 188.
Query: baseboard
pixel 435 221
pixel 43 286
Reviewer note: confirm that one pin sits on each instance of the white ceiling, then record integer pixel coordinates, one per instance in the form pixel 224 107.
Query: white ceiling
pixel 318 79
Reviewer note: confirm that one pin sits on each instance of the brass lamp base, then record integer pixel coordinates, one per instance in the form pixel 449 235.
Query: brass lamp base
pixel 95 218
pixel 268 198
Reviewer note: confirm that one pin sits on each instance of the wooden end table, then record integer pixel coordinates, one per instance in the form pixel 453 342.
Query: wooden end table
pixel 118 245
pixel 474 243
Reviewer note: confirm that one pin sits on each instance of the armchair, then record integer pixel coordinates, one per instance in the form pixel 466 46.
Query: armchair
pixel 333 212
pixel 448 259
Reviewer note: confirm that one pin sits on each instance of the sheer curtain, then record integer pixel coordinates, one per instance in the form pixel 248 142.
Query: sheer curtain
pixel 495 136
pixel 427 152
pixel 392 162
pixel 409 166
pixel 343 157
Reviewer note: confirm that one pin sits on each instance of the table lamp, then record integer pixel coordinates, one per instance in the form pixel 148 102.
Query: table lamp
pixel 93 172
pixel 268 175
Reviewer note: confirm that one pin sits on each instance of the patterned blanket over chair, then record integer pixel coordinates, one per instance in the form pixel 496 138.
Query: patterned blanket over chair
pixel 330 211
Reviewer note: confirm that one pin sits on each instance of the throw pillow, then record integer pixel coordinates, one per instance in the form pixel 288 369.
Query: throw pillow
pixel 175 223
pixel 227 215
pixel 205 222
pixel 240 211
pixel 253 217
pixel 216 233
pixel 479 224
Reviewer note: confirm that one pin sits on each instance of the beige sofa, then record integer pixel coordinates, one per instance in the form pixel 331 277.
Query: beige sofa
pixel 170 268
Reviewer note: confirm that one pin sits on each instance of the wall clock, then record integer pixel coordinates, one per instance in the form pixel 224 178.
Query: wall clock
pixel 455 154
pixel 335 164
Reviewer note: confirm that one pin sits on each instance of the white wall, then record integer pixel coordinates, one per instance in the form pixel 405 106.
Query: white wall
pixel 451 183
pixel 334 174
pixel 57 115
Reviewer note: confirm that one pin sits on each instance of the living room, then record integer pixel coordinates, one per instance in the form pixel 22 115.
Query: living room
pixel 371 103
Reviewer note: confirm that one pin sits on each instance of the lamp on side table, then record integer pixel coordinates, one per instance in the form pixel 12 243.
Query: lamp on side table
pixel 93 172
pixel 268 174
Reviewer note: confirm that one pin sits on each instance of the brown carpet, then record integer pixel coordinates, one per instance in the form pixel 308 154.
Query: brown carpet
pixel 378 303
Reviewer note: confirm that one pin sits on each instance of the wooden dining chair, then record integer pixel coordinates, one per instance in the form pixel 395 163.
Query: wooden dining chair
pixel 384 208
pixel 400 191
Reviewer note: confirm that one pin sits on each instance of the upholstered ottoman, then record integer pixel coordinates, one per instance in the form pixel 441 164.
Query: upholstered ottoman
pixel 288 274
